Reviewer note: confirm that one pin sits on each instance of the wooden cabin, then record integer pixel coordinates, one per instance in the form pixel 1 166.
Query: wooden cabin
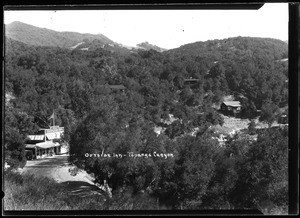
pixel 191 82
pixel 231 107
pixel 117 88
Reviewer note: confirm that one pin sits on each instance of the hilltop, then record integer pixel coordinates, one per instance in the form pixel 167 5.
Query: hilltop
pixel 148 46
pixel 35 36
pixel 253 47
pixel 32 35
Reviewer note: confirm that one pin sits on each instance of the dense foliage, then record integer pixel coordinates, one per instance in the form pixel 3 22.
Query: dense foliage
pixel 22 193
pixel 101 120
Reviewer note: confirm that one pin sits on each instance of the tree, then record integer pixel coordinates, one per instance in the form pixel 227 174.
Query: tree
pixel 248 108
pixel 65 118
pixel 263 175
pixel 18 125
pixel 80 98
pixel 269 112
pixel 102 132
pixel 14 149
pixel 174 129
pixel 217 78
pixel 193 170
pixel 222 182
pixel 251 127
pixel 97 120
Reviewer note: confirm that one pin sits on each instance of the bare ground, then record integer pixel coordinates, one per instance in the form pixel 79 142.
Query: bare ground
pixel 57 168
pixel 236 124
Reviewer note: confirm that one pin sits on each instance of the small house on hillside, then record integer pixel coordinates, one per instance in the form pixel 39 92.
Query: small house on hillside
pixel 283 119
pixel 115 88
pixel 191 82
pixel 231 107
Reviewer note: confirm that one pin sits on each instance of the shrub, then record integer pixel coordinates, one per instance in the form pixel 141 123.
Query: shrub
pixel 27 192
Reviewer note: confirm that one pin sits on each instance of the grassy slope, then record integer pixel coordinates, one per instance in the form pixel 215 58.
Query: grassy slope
pixel 32 35
pixel 27 192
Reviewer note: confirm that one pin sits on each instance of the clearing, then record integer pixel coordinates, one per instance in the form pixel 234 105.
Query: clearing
pixel 57 168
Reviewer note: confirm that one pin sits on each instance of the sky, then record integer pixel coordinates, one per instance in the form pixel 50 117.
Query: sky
pixel 164 28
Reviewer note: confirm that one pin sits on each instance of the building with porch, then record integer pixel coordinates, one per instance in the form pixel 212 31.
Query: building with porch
pixel 47 142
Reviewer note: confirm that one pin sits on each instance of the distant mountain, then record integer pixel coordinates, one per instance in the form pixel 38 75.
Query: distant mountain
pixel 32 35
pixel 36 36
pixel 251 47
pixel 88 45
pixel 148 46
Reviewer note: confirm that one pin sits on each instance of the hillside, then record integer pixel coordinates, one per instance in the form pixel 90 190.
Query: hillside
pixel 252 47
pixel 244 62
pixel 148 46
pixel 31 35
pixel 36 36
pixel 103 123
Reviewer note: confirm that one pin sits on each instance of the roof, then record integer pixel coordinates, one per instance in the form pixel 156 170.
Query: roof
pixel 191 80
pixel 44 145
pixel 47 144
pixel 232 103
pixel 117 87
pixel 30 145
pixel 55 128
pixel 113 87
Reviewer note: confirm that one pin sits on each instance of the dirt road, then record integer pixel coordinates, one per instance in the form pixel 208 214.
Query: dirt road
pixel 57 168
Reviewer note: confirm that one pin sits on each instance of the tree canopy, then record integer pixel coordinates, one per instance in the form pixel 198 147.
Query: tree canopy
pixel 103 120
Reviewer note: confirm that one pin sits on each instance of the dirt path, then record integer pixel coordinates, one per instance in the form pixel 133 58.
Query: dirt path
pixel 57 168
pixel 236 124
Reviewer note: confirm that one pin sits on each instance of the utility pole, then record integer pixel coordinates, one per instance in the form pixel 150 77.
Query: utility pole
pixel 41 119
pixel 53 118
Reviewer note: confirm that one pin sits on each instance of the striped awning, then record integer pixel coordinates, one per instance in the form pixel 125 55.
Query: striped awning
pixel 50 136
pixel 54 135
pixel 36 137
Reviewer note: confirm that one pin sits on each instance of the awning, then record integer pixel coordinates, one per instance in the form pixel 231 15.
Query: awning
pixel 45 145
pixel 54 135
pixel 36 137
pixel 42 145
pixel 30 146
